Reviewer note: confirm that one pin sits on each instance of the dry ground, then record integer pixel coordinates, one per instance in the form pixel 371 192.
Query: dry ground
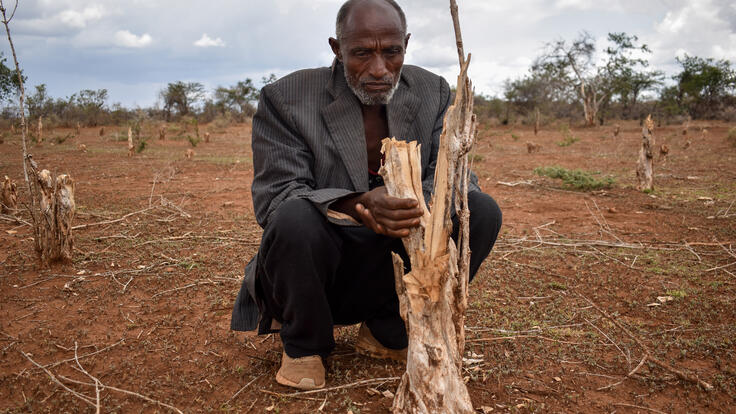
pixel 146 302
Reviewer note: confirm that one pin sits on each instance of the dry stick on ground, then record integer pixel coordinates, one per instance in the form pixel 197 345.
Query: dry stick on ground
pixel 337 387
pixel 645 168
pixel 648 353
pixel 433 296
pixel 96 384
pixel 102 223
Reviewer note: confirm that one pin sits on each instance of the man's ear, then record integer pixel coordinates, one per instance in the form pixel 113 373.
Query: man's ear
pixel 406 41
pixel 335 45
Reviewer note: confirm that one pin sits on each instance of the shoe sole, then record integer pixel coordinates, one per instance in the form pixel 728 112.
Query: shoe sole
pixel 369 350
pixel 304 384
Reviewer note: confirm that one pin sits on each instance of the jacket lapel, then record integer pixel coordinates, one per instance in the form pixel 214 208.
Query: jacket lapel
pixel 344 120
pixel 401 110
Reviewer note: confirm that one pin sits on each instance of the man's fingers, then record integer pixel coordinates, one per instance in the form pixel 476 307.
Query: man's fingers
pixel 397 214
pixel 394 203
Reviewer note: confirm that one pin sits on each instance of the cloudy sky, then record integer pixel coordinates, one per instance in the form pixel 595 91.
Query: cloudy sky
pixel 133 48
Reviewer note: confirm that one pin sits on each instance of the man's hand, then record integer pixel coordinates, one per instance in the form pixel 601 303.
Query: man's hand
pixel 382 213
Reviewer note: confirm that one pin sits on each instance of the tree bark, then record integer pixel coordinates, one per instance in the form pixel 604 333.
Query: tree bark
pixel 433 295
pixel 53 230
pixel 9 197
pixel 645 166
pixel 131 148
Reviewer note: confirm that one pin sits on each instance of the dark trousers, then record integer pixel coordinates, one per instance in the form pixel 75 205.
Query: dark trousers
pixel 313 275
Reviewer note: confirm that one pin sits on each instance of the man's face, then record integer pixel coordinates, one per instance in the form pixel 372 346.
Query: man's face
pixel 372 48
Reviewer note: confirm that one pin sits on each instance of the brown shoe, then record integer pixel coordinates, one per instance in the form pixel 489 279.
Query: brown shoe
pixel 306 373
pixel 367 345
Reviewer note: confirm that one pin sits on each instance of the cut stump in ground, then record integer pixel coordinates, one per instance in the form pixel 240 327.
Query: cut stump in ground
pixel 9 196
pixel 645 166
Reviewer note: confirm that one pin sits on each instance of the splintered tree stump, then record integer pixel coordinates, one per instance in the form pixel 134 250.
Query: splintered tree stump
pixel 53 222
pixel 433 295
pixel 645 166
pixel 536 121
pixel 40 129
pixel 616 130
pixel 206 137
pixel 9 196
pixel 162 133
pixel 189 154
pixel 102 131
pixel 532 147
pixel 131 148
pixel 78 130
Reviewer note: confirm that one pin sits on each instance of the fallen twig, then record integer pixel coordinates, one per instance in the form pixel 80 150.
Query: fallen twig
pixel 205 282
pixel 102 223
pixel 338 387
pixel 681 374
pixel 244 387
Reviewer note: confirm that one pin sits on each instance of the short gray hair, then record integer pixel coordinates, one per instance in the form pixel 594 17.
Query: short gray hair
pixel 342 15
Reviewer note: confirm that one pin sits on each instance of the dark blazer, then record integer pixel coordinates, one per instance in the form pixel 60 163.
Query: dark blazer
pixel 309 142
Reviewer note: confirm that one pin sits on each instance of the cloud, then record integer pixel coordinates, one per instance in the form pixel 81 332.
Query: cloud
pixel 79 20
pixel 124 38
pixel 206 41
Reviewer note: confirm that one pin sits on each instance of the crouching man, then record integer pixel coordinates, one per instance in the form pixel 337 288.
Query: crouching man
pixel 329 225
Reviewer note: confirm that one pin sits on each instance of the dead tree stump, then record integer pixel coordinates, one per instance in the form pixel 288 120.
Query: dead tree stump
pixel 102 131
pixel 206 137
pixel 645 167
pixel 616 130
pixel 532 147
pixel 40 129
pixel 433 295
pixel 78 130
pixel 53 222
pixel 131 148
pixel 9 196
pixel 536 121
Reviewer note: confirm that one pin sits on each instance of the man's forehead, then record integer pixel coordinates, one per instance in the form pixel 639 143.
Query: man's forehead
pixel 372 17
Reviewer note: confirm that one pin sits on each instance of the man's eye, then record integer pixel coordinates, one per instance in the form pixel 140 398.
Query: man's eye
pixel 361 53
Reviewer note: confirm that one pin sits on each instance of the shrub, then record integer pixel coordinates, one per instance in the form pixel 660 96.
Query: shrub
pixel 731 137
pixel 576 179
pixel 193 141
pixel 569 138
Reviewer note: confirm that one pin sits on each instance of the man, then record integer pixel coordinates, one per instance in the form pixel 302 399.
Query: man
pixel 329 225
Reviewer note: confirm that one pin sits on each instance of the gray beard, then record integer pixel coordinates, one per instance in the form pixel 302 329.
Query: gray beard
pixel 370 99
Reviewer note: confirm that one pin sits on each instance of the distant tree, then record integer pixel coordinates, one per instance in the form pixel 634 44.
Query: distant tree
pixel 627 75
pixel 9 85
pixel 39 103
pixel 91 105
pixel 239 97
pixel 704 86
pixel 572 66
pixel 182 97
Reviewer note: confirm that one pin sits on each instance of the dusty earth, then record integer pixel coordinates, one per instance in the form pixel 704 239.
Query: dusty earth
pixel 158 261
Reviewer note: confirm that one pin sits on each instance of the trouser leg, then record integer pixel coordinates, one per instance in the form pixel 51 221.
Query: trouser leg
pixel 298 259
pixel 485 223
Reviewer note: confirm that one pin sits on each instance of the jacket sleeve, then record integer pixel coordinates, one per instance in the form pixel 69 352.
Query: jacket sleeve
pixel 282 161
pixel 428 180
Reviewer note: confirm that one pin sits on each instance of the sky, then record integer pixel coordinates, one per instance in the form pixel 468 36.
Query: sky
pixel 134 48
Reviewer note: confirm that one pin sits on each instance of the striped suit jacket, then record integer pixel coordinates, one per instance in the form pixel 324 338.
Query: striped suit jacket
pixel 309 142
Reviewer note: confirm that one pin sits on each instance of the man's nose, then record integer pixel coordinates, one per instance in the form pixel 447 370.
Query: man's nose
pixel 377 68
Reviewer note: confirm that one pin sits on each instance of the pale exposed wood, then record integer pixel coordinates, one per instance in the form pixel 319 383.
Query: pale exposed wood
pixel 78 130
pixel 207 137
pixel 616 130
pixel 189 154
pixel 39 131
pixel 433 295
pixel 162 133
pixel 131 148
pixel 9 196
pixel 645 166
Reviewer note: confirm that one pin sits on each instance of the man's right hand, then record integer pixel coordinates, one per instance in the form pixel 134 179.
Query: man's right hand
pixel 382 213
